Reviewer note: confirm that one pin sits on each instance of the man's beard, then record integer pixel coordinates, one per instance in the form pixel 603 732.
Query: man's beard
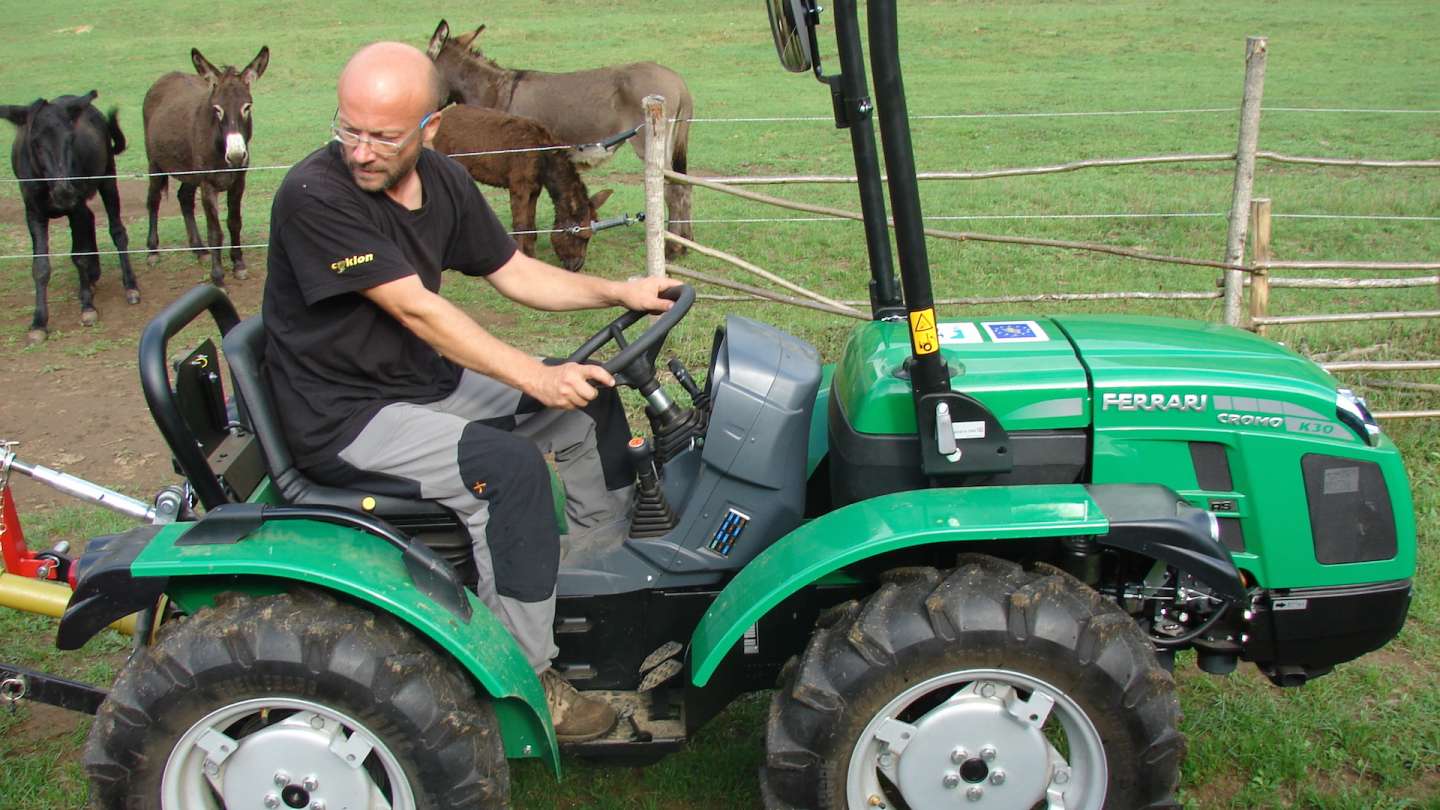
pixel 386 178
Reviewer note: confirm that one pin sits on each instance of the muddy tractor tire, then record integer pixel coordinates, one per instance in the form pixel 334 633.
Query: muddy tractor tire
pixel 294 700
pixel 982 687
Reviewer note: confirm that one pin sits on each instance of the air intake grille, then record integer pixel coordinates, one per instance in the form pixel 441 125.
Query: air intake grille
pixel 1350 514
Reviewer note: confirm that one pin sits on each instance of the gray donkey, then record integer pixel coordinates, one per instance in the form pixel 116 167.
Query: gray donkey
pixel 197 128
pixel 580 107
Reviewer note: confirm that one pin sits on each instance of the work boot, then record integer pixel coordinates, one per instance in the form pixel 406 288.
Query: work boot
pixel 577 718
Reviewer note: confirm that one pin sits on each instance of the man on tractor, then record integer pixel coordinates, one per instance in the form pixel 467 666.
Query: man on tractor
pixel 386 386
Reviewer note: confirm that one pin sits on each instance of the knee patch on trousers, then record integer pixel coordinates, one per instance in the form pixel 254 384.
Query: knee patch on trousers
pixel 508 472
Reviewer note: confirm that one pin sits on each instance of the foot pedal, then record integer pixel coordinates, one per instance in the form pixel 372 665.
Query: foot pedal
pixel 660 674
pixel 669 649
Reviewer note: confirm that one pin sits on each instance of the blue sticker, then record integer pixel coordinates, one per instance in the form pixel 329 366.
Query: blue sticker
pixel 731 526
pixel 1015 331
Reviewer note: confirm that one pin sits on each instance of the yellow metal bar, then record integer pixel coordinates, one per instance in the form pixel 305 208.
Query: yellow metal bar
pixel 45 598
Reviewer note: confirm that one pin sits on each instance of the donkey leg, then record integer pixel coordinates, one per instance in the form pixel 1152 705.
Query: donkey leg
pixel 232 204
pixel 186 196
pixel 110 196
pixel 209 197
pixel 158 182
pixel 522 217
pixel 83 249
pixel 39 226
pixel 677 203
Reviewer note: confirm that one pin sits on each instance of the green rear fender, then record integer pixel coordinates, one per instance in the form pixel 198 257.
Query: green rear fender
pixel 363 568
pixel 878 526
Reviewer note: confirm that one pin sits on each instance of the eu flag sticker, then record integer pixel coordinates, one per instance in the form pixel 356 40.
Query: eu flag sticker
pixel 1015 332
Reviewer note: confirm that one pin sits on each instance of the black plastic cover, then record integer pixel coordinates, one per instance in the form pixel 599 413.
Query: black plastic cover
pixel 1313 629
pixel 105 590
pixel 863 465
pixel 1153 521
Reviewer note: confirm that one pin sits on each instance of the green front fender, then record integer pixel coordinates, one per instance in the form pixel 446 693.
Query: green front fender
pixel 877 526
pixel 367 569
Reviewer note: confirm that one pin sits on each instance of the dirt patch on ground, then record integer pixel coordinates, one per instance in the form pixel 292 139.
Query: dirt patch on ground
pixel 74 402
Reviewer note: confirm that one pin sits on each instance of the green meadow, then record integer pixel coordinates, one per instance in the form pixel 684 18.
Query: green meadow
pixel 1354 80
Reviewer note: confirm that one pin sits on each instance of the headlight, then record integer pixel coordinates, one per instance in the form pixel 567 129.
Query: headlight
pixel 1352 411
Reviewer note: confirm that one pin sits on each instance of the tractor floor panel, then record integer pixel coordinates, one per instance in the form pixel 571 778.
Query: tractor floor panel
pixel 639 737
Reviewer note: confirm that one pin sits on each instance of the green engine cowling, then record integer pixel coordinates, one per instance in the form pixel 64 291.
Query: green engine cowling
pixel 1306 489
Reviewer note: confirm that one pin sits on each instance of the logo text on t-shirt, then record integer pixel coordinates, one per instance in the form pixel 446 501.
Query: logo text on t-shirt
pixel 344 264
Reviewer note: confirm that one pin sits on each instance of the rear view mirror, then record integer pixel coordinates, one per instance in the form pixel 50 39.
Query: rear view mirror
pixel 791 23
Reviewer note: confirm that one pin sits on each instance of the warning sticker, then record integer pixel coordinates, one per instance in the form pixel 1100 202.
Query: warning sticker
pixel 963 332
pixel 922 331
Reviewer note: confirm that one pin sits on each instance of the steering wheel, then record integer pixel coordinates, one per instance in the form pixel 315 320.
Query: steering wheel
pixel 634 364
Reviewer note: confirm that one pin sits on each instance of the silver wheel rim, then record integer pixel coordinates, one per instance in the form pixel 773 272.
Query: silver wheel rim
pixel 979 738
pixel 282 753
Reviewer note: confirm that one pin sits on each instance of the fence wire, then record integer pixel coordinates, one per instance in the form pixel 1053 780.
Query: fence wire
pixel 203 247
pixel 1062 114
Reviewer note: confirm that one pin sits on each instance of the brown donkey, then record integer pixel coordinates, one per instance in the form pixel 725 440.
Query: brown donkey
pixel 465 129
pixel 582 107
pixel 197 128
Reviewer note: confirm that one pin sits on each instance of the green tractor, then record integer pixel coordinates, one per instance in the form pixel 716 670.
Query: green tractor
pixel 967 552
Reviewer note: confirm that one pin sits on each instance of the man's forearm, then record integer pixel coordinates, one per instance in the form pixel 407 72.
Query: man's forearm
pixel 540 286
pixel 458 338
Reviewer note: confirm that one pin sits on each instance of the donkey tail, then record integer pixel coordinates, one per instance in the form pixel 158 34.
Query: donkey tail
pixel 112 125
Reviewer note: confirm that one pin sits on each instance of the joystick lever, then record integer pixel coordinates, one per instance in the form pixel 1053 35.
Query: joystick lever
pixel 652 516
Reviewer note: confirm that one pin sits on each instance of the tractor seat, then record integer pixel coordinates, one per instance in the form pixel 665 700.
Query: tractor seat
pixel 244 348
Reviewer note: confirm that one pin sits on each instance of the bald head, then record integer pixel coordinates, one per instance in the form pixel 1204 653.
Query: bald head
pixel 391 76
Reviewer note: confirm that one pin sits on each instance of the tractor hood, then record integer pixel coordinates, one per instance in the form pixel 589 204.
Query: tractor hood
pixel 1079 371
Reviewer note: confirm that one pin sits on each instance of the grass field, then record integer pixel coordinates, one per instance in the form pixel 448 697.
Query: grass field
pixel 1362 738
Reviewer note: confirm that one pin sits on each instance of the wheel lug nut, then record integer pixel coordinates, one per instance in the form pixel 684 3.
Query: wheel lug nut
pixel 311 784
pixel 271 800
pixel 997 777
pixel 281 779
pixel 988 753
pixel 987 690
pixel 959 755
pixel 951 780
pixel 975 794
pixel 317 805
pixel 1062 776
pixel 886 759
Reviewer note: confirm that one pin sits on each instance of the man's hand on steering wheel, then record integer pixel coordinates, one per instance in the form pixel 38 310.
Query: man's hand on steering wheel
pixel 643 294
pixel 570 385
pixel 634 362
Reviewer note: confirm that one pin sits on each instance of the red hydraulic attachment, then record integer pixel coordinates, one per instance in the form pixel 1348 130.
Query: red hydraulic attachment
pixel 19 559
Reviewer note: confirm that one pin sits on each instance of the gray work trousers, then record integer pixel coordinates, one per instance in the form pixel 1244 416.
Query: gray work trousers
pixel 481 453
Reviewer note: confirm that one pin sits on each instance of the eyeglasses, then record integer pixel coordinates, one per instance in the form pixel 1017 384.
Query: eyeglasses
pixel 380 146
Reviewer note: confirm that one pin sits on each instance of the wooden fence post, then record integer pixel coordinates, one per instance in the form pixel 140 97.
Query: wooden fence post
pixel 657 135
pixel 1255 48
pixel 1260 257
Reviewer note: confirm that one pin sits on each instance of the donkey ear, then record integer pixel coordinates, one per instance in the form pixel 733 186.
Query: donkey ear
pixel 437 40
pixel 202 65
pixel 599 199
pixel 257 66
pixel 466 40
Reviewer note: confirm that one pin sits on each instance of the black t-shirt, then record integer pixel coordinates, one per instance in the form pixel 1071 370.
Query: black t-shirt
pixel 334 358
